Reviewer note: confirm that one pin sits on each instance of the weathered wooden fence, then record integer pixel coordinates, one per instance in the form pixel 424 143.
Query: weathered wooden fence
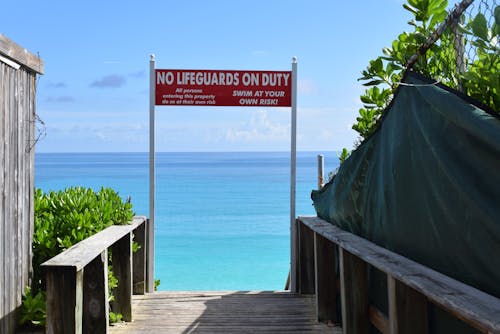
pixel 18 70
pixel 77 279
pixel 334 265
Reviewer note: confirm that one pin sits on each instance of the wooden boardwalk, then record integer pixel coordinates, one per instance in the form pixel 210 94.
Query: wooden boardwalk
pixel 222 312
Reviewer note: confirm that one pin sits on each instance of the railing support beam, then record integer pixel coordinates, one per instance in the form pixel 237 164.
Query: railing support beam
pixel 325 258
pixel 122 268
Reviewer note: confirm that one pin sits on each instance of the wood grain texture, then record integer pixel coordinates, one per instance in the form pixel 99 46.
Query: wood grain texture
pixel 223 312
pixel 122 268
pixel 305 284
pixel 17 105
pixel 378 319
pixel 64 300
pixel 407 309
pixel 95 295
pixel 80 254
pixel 325 259
pixel 474 307
pixel 354 292
pixel 20 55
pixel 139 261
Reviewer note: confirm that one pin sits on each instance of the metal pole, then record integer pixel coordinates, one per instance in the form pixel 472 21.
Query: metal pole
pixel 321 173
pixel 293 164
pixel 151 225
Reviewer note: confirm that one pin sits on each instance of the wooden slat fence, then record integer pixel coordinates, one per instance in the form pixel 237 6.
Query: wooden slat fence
pixel 18 70
pixel 411 287
pixel 77 279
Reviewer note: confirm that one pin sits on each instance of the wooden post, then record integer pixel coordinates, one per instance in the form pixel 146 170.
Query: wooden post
pixel 321 172
pixel 95 295
pixel 407 309
pixel 122 268
pixel 64 300
pixel 306 259
pixel 150 270
pixel 139 260
pixel 326 279
pixel 354 293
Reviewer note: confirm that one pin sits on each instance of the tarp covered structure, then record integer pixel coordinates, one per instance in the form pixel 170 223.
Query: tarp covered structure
pixel 426 184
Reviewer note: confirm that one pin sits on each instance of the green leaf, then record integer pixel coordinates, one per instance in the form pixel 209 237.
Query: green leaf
pixel 373 83
pixel 410 9
pixel 480 26
pixel 496 13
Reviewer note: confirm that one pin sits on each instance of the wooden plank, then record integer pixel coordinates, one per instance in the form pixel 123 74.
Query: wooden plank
pixel 80 254
pixel 139 261
pixel 150 256
pixel 306 260
pixel 64 300
pixel 122 268
pixel 10 222
pixel 325 263
pixel 223 312
pixel 95 295
pixel 3 233
pixel 378 319
pixel 407 309
pixel 471 305
pixel 354 291
pixel 20 54
pixel 31 167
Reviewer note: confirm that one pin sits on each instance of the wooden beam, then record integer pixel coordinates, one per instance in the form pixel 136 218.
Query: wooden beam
pixel 325 260
pixel 64 300
pixel 354 291
pixel 306 260
pixel 122 268
pixel 20 55
pixel 378 319
pixel 139 261
pixel 474 307
pixel 150 256
pixel 82 253
pixel 95 295
pixel 407 309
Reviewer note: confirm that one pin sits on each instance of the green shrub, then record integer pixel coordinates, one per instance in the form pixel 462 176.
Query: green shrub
pixel 62 219
pixel 480 80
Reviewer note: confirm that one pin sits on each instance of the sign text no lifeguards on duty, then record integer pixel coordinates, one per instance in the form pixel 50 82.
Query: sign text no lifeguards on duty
pixel 223 88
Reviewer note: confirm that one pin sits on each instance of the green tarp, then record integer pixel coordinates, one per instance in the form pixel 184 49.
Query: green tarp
pixel 426 184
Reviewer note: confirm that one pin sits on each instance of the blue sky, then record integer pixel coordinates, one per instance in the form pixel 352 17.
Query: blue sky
pixel 94 94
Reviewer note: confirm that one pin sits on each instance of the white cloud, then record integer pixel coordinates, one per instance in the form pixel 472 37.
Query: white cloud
pixel 307 87
pixel 259 129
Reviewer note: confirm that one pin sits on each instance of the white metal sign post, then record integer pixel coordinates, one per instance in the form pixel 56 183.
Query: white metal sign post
pixel 151 224
pixel 293 181
pixel 222 88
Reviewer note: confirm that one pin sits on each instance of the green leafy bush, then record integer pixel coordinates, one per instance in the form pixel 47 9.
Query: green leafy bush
pixel 62 219
pixel 480 77
pixel 33 309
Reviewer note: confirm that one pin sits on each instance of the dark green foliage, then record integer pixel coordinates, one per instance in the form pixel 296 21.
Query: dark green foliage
pixel 62 219
pixel 33 309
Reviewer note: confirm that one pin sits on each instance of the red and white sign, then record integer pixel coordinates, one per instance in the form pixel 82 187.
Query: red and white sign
pixel 223 88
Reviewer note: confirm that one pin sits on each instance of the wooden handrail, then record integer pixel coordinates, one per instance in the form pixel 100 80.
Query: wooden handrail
pixel 77 282
pixel 410 285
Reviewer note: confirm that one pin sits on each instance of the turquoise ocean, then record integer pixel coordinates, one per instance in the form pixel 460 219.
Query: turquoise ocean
pixel 222 219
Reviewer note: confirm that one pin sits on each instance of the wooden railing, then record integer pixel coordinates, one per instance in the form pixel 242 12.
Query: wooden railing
pixel 77 279
pixel 322 248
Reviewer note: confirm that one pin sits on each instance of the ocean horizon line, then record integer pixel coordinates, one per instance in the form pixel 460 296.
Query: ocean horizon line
pixel 189 152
